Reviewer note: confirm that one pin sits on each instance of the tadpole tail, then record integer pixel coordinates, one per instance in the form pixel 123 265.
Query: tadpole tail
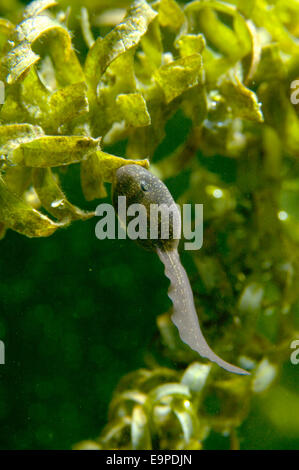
pixel 184 313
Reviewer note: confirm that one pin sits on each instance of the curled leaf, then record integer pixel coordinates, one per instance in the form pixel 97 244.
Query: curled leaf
pixel 195 376
pixel 86 29
pixel 243 101
pixel 67 67
pixel 169 390
pixel 17 215
pixel 185 419
pixel 256 51
pixel 233 42
pixel 18 62
pixel 122 38
pixel 105 111
pixel 270 20
pixel 140 431
pixel 37 7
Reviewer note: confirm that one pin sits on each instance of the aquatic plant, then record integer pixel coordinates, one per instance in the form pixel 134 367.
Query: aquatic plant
pixel 229 70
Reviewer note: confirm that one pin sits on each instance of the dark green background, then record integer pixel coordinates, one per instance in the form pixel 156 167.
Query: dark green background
pixel 76 314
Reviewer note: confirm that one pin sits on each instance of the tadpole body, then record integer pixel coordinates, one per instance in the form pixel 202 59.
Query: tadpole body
pixel 140 186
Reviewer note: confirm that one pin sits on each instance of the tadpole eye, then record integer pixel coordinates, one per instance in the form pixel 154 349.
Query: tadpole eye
pixel 144 186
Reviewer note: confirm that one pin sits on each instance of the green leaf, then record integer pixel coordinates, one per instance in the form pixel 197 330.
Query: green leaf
pixel 68 103
pixel 53 110
pixel 6 29
pixel 144 141
pixel 53 199
pixel 110 163
pixel 234 42
pixel 170 14
pixel 122 38
pixel 140 431
pixel 270 66
pixel 267 18
pixel 281 114
pixel 87 445
pixel 195 376
pixel 18 62
pixel 133 109
pixel 17 179
pixel 86 29
pixel 152 48
pixel 59 46
pixel 186 421
pixel 124 401
pixel 52 151
pixel 13 135
pixel 100 167
pixel 178 76
pixel 92 178
pixel 169 390
pixel 189 44
pixel 256 52
pixel 105 111
pixel 17 215
pixel 37 7
pixel 242 101
pixel 34 98
pixel 116 431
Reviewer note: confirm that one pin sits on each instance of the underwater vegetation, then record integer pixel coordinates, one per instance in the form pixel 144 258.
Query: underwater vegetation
pixel 206 95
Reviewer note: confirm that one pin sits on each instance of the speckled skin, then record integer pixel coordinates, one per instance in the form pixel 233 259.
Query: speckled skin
pixel 142 187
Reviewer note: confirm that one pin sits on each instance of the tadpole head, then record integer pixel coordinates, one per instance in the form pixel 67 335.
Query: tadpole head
pixel 140 186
